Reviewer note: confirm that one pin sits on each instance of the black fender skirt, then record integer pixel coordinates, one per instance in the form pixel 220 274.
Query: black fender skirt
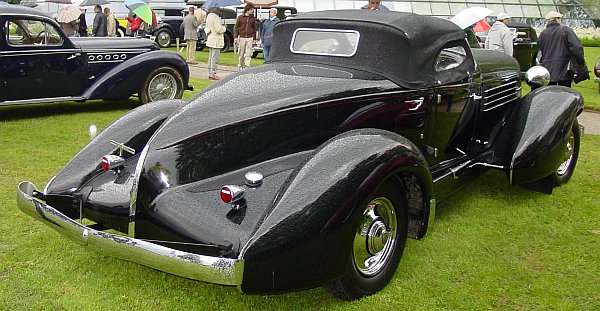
pixel 307 238
pixel 540 127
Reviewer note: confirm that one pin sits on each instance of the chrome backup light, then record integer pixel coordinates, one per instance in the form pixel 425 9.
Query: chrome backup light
pixel 253 179
pixel 111 162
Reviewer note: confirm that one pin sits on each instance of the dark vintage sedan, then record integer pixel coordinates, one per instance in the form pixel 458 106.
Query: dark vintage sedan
pixel 313 169
pixel 38 64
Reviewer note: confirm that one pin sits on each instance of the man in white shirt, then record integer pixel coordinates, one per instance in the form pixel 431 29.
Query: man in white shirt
pixel 500 38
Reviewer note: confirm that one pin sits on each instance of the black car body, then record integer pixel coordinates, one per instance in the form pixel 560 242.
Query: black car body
pixel 38 63
pixel 312 169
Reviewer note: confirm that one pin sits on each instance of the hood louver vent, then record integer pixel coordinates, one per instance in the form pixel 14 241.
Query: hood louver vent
pixel 508 91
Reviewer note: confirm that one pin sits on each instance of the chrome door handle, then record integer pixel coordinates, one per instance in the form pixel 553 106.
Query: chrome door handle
pixel 73 56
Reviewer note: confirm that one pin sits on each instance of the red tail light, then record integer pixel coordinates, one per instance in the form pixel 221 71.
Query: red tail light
pixel 105 164
pixel 232 194
pixel 111 162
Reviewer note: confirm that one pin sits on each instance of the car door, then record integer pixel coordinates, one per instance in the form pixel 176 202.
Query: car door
pixel 39 62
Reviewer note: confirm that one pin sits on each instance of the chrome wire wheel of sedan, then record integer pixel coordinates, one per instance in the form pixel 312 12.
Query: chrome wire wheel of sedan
pixel 375 237
pixel 571 152
pixel 162 83
pixel 378 243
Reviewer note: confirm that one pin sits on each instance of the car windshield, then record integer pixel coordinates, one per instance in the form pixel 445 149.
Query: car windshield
pixel 331 42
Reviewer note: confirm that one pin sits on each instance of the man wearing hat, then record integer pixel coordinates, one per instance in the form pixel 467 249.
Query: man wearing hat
pixel 500 38
pixel 557 46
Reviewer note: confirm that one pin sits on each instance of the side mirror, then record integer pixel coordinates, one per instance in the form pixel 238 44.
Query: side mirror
pixel 537 76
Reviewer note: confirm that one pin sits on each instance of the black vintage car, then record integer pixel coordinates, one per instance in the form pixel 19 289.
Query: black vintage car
pixel 314 169
pixel 38 63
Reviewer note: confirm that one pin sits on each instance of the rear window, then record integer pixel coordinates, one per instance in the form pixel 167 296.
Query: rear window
pixel 330 42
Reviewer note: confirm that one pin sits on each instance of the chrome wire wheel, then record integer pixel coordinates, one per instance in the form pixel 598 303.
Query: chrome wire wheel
pixel 374 241
pixel 568 157
pixel 162 86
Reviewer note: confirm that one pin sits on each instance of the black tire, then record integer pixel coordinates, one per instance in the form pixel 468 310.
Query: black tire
pixel 163 38
pixel 162 83
pixel 564 172
pixel 227 44
pixel 382 212
pixel 121 32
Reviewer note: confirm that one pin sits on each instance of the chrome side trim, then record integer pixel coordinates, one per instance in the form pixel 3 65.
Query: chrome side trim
pixel 217 270
pixel 134 191
pixel 41 100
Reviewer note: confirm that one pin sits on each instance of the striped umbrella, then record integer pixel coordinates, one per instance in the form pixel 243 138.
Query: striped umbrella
pixel 141 9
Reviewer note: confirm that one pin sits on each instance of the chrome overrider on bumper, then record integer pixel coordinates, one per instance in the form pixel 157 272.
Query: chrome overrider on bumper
pixel 223 271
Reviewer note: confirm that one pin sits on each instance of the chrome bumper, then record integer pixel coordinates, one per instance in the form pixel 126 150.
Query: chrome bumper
pixel 204 268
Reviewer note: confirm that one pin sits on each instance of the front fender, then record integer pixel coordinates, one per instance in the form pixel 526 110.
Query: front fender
pixel 306 240
pixel 128 77
pixel 540 128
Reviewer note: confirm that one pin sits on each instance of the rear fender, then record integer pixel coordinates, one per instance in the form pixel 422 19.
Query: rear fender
pixel 540 128
pixel 314 217
pixel 128 77
pixel 134 129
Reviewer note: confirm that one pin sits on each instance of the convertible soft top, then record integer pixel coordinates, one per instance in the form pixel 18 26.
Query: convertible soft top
pixel 399 46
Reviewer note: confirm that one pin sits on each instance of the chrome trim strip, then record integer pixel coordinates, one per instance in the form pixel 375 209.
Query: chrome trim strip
pixel 502 86
pixel 432 210
pixel 505 101
pixel 65 51
pixel 41 100
pixel 217 270
pixel 134 190
pixel 39 52
pixel 492 98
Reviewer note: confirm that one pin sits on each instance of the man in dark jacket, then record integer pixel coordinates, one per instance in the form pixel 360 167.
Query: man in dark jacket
pixel 82 24
pixel 99 29
pixel 558 46
pixel 244 34
pixel 266 32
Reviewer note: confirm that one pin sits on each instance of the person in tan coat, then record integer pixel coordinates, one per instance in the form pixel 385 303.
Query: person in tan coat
pixel 111 23
pixel 215 41
pixel 190 34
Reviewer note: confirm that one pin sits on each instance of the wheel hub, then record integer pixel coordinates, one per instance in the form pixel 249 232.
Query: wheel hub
pixel 374 241
pixel 568 156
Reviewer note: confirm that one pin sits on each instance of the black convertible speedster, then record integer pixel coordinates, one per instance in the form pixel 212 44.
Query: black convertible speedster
pixel 40 64
pixel 312 170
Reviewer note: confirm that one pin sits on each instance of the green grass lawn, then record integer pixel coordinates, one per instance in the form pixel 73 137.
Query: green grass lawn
pixel 493 246
pixel 589 88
